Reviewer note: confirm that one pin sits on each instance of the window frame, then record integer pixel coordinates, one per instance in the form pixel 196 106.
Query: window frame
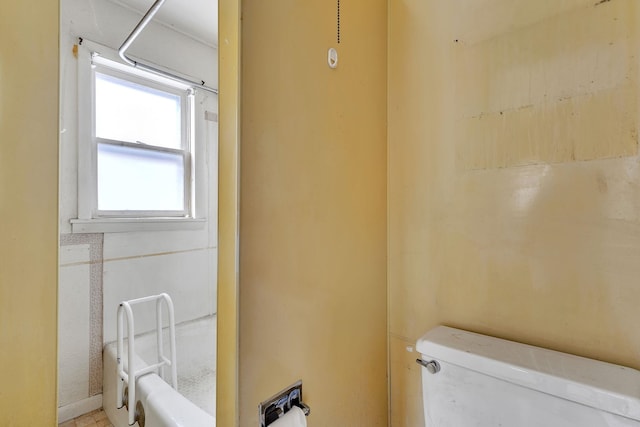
pixel 186 132
pixel 89 218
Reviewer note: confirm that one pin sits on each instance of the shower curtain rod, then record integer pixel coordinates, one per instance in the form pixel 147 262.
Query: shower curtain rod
pixel 135 33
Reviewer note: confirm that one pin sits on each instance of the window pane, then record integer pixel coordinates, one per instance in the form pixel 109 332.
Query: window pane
pixel 126 111
pixel 139 179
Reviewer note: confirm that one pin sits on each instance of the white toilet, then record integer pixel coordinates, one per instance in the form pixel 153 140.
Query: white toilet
pixel 470 379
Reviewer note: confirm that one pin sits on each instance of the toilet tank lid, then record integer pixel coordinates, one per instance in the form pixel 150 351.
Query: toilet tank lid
pixel 604 386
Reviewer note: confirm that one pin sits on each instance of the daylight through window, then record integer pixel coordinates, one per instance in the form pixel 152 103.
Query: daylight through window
pixel 141 131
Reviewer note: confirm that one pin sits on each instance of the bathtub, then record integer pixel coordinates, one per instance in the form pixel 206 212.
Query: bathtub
pixel 193 404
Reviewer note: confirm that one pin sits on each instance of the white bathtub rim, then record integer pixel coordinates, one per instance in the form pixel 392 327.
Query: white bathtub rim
pixel 165 407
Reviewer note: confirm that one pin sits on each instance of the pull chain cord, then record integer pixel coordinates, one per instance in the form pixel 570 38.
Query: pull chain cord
pixel 338 22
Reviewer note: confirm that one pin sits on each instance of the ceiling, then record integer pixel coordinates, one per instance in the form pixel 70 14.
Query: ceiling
pixel 197 18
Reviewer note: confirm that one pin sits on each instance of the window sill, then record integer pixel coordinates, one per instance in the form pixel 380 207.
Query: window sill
pixel 123 225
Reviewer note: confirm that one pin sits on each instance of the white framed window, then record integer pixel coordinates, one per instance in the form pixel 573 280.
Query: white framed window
pixel 142 135
pixel 138 166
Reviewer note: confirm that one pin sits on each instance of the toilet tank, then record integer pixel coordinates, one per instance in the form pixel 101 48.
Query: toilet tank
pixel 486 382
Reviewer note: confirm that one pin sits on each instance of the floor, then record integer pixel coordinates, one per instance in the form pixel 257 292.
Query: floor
pixel 96 418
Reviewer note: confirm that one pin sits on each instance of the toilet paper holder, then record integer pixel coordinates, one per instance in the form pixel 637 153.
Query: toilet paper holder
pixel 280 403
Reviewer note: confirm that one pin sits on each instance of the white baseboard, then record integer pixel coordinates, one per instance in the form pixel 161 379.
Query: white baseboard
pixel 75 409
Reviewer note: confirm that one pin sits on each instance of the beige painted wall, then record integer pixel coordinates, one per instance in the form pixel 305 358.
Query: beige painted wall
pixel 228 205
pixel 514 205
pixel 28 212
pixel 538 244
pixel 312 204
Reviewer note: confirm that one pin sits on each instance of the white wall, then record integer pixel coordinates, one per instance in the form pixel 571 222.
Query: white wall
pixel 97 271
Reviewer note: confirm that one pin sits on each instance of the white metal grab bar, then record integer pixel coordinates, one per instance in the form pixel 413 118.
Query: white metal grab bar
pixel 130 375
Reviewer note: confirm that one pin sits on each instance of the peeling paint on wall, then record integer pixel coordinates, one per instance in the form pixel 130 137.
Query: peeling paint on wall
pixel 532 95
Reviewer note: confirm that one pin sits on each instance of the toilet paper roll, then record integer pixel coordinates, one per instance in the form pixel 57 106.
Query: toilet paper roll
pixel 293 418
